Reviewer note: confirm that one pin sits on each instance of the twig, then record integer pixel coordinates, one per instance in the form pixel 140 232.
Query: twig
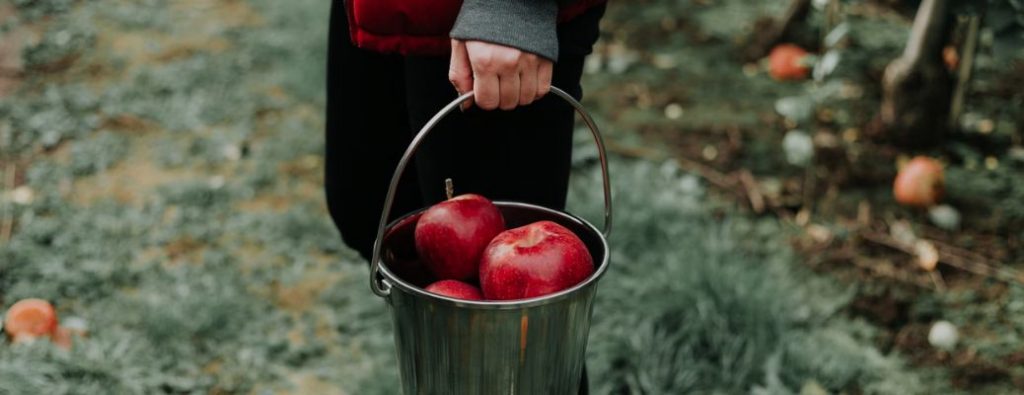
pixel 940 284
pixel 957 257
pixel 807 192
pixel 979 267
pixel 713 176
pixel 863 213
pixel 890 272
pixel 753 192
pixel 634 151
pixel 731 182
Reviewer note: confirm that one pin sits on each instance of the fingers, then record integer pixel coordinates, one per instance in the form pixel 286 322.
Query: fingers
pixel 486 90
pixel 528 81
pixel 501 76
pixel 544 72
pixel 509 90
pixel 459 71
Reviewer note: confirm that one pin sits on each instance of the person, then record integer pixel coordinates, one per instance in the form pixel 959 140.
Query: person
pixel 392 64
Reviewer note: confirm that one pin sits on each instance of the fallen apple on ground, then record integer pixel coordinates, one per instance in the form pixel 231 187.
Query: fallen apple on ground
pixel 30 318
pixel 786 62
pixel 950 57
pixel 451 235
pixel 920 183
pixel 533 260
pixel 455 289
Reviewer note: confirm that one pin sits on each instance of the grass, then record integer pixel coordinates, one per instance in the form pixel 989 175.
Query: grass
pixel 177 208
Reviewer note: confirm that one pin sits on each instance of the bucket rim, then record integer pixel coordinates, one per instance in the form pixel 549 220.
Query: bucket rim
pixel 513 304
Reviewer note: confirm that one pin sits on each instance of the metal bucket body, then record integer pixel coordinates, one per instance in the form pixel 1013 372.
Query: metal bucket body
pixel 452 346
pixel 531 346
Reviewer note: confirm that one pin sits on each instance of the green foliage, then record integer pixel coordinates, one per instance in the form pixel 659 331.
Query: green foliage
pixel 28 124
pixel 188 94
pixel 693 303
pixel 195 322
pixel 965 307
pixel 64 252
pixel 97 153
pixel 183 289
pixel 35 9
pixel 69 38
pixel 162 341
pixel 138 15
pixel 293 38
pixel 993 199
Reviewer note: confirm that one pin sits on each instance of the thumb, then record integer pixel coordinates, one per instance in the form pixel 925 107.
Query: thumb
pixel 460 73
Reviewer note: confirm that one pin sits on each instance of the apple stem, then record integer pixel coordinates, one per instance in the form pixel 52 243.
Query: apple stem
pixel 449 188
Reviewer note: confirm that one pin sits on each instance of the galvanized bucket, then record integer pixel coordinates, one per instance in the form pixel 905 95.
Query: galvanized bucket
pixel 452 346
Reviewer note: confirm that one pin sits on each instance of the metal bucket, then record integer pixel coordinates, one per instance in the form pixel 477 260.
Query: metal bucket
pixel 452 346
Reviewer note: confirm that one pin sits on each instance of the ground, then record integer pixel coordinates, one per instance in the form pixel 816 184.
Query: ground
pixel 162 169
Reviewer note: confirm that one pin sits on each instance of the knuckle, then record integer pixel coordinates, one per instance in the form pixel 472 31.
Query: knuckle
pixel 483 64
pixel 503 61
pixel 531 59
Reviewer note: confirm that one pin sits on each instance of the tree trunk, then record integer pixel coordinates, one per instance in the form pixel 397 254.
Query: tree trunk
pixel 768 32
pixel 916 87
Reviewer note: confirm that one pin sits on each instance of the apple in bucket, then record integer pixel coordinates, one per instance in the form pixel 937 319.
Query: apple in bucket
pixel 533 260
pixel 455 289
pixel 451 235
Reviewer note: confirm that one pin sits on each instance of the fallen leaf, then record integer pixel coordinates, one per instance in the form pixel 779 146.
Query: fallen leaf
pixel 927 255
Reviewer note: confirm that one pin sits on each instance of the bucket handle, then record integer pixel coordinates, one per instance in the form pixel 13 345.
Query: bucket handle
pixel 382 288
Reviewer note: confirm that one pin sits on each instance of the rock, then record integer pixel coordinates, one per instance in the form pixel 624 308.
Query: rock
pixel 945 217
pixel 943 335
pixel 799 148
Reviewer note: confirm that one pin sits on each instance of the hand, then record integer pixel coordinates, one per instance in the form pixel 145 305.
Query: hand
pixel 500 76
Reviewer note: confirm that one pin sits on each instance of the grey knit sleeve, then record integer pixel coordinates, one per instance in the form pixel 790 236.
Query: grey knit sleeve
pixel 529 25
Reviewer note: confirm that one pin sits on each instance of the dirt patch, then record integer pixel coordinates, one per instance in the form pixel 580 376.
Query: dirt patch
pixel 205 15
pixel 152 48
pixel 309 383
pixel 200 27
pixel 300 295
pixel 130 181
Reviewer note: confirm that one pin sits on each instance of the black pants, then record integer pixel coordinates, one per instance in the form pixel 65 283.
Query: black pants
pixel 376 102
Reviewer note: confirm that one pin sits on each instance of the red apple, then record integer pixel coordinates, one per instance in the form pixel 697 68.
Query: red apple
pixel 455 289
pixel 30 318
pixel 920 183
pixel 950 57
pixel 533 260
pixel 451 235
pixel 786 62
